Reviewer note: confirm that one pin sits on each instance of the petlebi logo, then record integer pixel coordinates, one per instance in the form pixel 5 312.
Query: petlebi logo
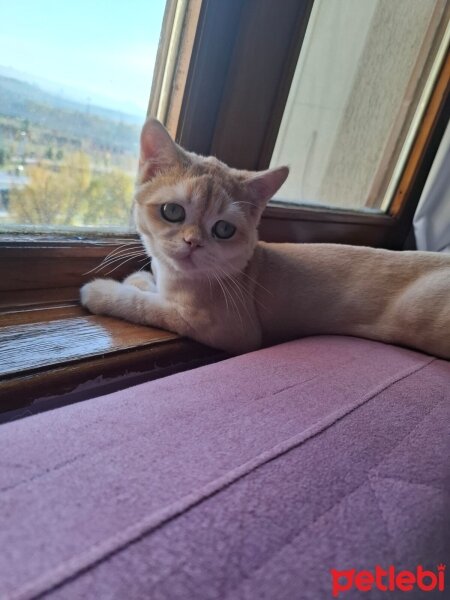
pixel 387 580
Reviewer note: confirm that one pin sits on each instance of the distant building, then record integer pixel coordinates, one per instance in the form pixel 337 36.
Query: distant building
pixel 7 183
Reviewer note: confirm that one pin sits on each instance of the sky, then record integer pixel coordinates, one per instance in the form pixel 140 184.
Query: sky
pixel 98 51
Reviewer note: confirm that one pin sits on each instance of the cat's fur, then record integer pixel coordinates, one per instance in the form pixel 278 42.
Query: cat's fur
pixel 239 294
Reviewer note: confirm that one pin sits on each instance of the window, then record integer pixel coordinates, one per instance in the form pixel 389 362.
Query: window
pixel 362 71
pixel 247 62
pixel 74 90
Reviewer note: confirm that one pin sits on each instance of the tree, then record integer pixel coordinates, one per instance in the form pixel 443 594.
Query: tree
pixel 73 195
pixel 53 197
pixel 109 199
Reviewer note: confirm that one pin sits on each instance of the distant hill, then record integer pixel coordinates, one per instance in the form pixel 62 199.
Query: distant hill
pixel 68 120
pixel 129 111
pixel 38 89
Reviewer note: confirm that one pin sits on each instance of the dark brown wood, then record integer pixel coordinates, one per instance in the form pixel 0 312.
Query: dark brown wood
pixel 27 347
pixel 67 354
pixel 40 314
pixel 297 212
pixel 309 225
pixel 53 355
pixel 83 379
pixel 214 42
pixel 421 158
pixel 39 270
pixel 243 61
pixel 260 75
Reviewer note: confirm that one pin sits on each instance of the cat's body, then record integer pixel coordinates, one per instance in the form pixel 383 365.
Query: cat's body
pixel 236 294
pixel 396 297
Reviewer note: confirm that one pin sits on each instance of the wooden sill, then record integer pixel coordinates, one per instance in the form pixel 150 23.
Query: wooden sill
pixel 50 269
pixel 61 354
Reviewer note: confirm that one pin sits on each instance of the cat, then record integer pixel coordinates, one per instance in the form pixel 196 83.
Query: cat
pixel 214 282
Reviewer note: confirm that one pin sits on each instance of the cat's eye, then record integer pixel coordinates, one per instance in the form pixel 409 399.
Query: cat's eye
pixel 174 213
pixel 223 230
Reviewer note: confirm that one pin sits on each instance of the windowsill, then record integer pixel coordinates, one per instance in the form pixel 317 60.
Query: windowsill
pixel 61 354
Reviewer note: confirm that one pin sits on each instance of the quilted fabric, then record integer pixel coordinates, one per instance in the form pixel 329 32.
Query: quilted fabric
pixel 250 478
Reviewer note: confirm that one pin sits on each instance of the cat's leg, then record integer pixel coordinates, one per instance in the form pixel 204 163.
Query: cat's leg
pixel 144 280
pixel 109 297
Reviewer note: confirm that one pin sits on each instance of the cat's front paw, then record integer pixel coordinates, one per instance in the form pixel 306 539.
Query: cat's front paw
pixel 143 280
pixel 99 295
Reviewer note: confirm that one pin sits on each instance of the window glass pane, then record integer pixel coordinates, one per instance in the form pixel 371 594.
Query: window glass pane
pixel 75 81
pixel 358 82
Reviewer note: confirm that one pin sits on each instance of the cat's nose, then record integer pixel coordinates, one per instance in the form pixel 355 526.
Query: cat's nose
pixel 192 242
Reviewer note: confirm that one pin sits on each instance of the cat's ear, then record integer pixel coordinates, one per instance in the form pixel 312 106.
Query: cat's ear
pixel 262 186
pixel 158 151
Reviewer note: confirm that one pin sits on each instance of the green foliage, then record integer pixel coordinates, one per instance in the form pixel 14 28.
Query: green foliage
pixel 73 194
pixel 2 157
pixel 109 199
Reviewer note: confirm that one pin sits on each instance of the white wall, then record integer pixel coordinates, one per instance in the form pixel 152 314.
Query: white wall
pixel 354 84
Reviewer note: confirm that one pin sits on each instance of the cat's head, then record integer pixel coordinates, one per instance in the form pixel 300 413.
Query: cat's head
pixel 195 213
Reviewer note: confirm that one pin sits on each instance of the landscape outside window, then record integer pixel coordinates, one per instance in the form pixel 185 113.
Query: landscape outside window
pixel 75 82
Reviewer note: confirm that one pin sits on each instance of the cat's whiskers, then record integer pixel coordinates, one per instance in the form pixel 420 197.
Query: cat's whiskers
pixel 117 257
pixel 232 297
pixel 238 290
pixel 118 251
pixel 124 252
pixel 210 285
pixel 253 296
pixel 122 246
pixel 146 264
pixel 250 297
pixel 227 293
pixel 221 287
pixel 113 260
pixel 244 289
pixel 231 294
pixel 135 240
pixel 125 261
pixel 256 282
pixel 121 259
pixel 239 295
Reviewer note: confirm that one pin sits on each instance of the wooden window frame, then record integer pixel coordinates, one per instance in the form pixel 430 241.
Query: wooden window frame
pixel 242 61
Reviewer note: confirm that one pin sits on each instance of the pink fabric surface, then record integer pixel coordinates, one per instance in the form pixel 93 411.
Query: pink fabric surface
pixel 84 484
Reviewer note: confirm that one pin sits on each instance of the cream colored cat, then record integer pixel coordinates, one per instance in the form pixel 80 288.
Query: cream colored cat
pixel 212 280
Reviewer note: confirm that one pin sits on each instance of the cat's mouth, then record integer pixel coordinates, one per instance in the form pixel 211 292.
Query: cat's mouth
pixel 185 261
